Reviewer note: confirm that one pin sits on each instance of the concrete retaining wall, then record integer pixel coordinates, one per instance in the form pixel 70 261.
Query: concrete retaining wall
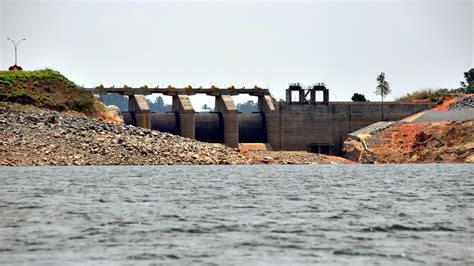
pixel 301 125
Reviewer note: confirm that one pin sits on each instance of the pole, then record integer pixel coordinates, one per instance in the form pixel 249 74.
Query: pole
pixel 15 45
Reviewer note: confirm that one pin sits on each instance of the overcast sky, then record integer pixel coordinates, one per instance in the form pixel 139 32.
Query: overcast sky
pixel 418 44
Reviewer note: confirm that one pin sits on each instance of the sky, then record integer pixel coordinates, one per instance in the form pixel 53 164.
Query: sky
pixel 345 44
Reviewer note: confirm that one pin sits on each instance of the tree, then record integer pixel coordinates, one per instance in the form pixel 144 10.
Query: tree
pixel 205 107
pixel 358 97
pixel 383 88
pixel 248 107
pixel 115 99
pixel 468 85
pixel 159 105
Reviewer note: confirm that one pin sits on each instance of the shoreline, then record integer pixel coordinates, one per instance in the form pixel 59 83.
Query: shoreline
pixel 30 136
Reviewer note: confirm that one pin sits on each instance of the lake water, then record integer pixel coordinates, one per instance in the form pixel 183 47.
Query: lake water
pixel 329 214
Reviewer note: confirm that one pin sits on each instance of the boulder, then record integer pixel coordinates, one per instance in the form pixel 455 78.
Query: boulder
pixel 353 149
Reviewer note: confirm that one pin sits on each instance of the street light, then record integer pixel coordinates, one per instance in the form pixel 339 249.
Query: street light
pixel 15 44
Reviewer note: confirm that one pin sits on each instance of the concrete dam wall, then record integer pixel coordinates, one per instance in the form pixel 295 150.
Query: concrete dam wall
pixel 295 127
pixel 295 124
pixel 303 127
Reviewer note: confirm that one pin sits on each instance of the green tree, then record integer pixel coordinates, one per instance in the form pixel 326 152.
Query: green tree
pixel 468 85
pixel 159 105
pixel 358 97
pixel 383 88
pixel 247 107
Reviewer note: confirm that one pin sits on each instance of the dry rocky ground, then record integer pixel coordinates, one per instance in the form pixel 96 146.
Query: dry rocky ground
pixel 32 136
pixel 43 137
pixel 416 143
pixel 410 142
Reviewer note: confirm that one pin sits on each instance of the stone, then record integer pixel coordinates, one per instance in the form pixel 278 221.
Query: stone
pixel 353 149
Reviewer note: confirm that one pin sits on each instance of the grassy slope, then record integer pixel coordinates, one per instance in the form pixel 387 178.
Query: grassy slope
pixel 435 95
pixel 45 89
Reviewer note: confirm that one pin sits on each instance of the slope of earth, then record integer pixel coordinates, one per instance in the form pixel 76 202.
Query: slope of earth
pixel 415 143
pixel 42 137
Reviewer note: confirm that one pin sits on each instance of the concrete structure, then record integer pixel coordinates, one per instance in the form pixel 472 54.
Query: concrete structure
pixel 305 123
pixel 187 119
pixel 138 107
pixel 225 105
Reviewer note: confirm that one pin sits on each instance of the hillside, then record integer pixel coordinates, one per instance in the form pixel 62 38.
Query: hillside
pixel 45 89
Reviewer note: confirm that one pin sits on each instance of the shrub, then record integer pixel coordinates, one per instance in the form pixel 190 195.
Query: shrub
pixel 358 98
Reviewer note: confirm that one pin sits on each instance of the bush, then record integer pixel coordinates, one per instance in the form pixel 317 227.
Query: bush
pixel 358 98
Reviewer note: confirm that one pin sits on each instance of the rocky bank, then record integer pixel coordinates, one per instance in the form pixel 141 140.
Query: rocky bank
pixel 44 137
pixel 404 142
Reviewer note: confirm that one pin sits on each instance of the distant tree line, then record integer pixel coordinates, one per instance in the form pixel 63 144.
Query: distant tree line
pixel 121 102
pixel 159 106
pixel 247 107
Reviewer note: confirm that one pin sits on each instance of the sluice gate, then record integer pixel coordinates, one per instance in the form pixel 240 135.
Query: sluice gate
pixel 209 127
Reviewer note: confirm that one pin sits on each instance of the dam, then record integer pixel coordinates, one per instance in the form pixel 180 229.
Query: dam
pixel 305 121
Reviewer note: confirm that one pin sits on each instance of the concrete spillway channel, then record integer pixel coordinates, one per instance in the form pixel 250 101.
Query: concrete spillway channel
pixel 209 127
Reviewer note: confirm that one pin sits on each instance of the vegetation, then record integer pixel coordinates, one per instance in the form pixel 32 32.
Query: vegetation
pixel 468 84
pixel 247 107
pixel 121 102
pixel 383 88
pixel 206 108
pixel 358 97
pixel 436 96
pixel 45 89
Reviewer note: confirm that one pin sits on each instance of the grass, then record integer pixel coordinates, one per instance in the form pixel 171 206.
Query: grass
pixel 45 89
pixel 435 95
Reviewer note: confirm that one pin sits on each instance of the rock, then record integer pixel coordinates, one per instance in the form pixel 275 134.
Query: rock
pixel 469 159
pixel 466 102
pixel 52 120
pixel 353 149
pixel 267 158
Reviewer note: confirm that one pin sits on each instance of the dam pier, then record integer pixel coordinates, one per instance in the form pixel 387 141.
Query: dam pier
pixel 305 121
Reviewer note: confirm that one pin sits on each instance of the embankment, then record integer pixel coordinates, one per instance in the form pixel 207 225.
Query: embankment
pixel 432 136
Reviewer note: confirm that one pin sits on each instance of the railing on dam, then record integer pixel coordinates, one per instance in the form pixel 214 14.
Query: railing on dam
pixel 256 91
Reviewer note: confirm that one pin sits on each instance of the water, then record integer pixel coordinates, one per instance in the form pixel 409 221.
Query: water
pixel 333 214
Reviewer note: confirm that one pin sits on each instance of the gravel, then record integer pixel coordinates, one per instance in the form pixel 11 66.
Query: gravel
pixel 463 103
pixel 44 137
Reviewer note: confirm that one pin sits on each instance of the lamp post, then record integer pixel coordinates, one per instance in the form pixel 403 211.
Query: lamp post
pixel 15 44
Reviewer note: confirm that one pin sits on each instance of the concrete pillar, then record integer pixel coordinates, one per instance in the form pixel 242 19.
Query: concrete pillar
pixel 326 96
pixel 301 95
pixel 139 110
pixel 312 96
pixel 272 118
pixel 226 106
pixel 288 96
pixel 187 118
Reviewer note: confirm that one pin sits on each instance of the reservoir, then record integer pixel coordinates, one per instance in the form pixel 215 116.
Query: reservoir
pixel 298 214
